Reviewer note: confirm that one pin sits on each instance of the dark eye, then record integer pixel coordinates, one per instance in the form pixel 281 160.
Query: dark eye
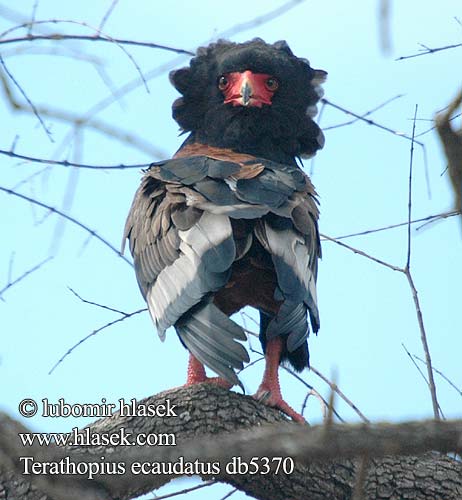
pixel 272 84
pixel 223 82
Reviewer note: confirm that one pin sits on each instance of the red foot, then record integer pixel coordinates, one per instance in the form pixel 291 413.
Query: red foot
pixel 269 391
pixel 196 375
pixel 273 398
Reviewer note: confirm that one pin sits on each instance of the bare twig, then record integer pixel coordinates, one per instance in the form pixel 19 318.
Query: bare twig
pixel 409 204
pixel 66 163
pixel 335 388
pixel 428 50
pixel 32 20
pixel 363 254
pixel 423 337
pixel 434 127
pixel 323 403
pixel 429 218
pixel 407 272
pixel 11 282
pixel 371 122
pixel 102 306
pixel 107 14
pixel 184 491
pixel 162 69
pixel 229 494
pixel 441 374
pixel 311 388
pixel 98 33
pixel 92 334
pixel 31 104
pixel 367 113
pixel 92 38
pixel 421 373
pixel 67 217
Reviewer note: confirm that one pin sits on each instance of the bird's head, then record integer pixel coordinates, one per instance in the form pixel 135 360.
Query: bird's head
pixel 252 97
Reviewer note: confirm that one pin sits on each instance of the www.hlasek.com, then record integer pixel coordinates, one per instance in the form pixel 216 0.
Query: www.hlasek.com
pixel 91 466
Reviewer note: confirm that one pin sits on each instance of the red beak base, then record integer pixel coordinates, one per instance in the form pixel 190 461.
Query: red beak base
pixel 247 89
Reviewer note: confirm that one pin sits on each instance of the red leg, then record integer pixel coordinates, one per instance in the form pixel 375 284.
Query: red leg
pixel 269 391
pixel 196 374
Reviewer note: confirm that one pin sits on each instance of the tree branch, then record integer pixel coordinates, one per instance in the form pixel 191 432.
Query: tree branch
pixel 213 426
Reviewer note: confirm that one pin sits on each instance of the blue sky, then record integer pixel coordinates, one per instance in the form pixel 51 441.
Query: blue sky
pixel 366 309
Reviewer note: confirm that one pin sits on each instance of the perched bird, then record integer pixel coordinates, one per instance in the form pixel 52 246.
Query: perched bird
pixel 231 220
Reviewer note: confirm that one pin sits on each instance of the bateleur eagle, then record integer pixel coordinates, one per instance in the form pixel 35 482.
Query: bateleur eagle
pixel 231 220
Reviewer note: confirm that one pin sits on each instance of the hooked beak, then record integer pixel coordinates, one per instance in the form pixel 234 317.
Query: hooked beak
pixel 246 91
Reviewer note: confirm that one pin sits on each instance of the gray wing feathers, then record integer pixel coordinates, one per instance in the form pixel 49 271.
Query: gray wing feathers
pixel 210 335
pixel 206 251
pixel 293 259
pixel 182 242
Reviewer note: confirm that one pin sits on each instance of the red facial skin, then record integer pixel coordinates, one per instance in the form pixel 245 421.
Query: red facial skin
pixel 247 88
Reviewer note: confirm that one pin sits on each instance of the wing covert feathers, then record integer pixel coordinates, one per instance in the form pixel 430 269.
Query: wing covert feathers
pixel 181 238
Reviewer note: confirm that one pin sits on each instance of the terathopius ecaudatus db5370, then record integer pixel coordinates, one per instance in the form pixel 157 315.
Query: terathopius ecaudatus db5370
pixel 231 220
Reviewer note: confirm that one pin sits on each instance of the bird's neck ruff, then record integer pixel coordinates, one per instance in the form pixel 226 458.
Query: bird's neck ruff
pixel 223 154
pixel 199 143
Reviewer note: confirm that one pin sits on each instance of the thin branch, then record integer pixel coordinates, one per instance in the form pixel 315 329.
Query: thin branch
pixel 363 254
pixel 32 20
pixel 31 104
pixel 434 127
pixel 229 494
pixel 160 70
pixel 98 33
pixel 107 14
pixel 442 375
pixel 92 334
pixel 22 276
pixel 98 125
pixel 67 217
pixel 428 50
pixel 330 408
pixel 93 38
pixel 423 338
pixel 372 122
pixel 407 272
pixel 186 490
pixel 409 204
pixel 78 120
pixel 322 402
pixel 367 113
pixel 335 388
pixel 66 163
pixel 421 373
pixel 429 218
pixel 415 364
pixel 102 306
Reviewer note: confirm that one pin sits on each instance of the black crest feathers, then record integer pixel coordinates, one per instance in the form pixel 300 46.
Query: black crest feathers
pixel 280 131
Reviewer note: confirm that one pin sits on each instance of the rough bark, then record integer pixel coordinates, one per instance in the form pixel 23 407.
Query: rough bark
pixel 213 425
